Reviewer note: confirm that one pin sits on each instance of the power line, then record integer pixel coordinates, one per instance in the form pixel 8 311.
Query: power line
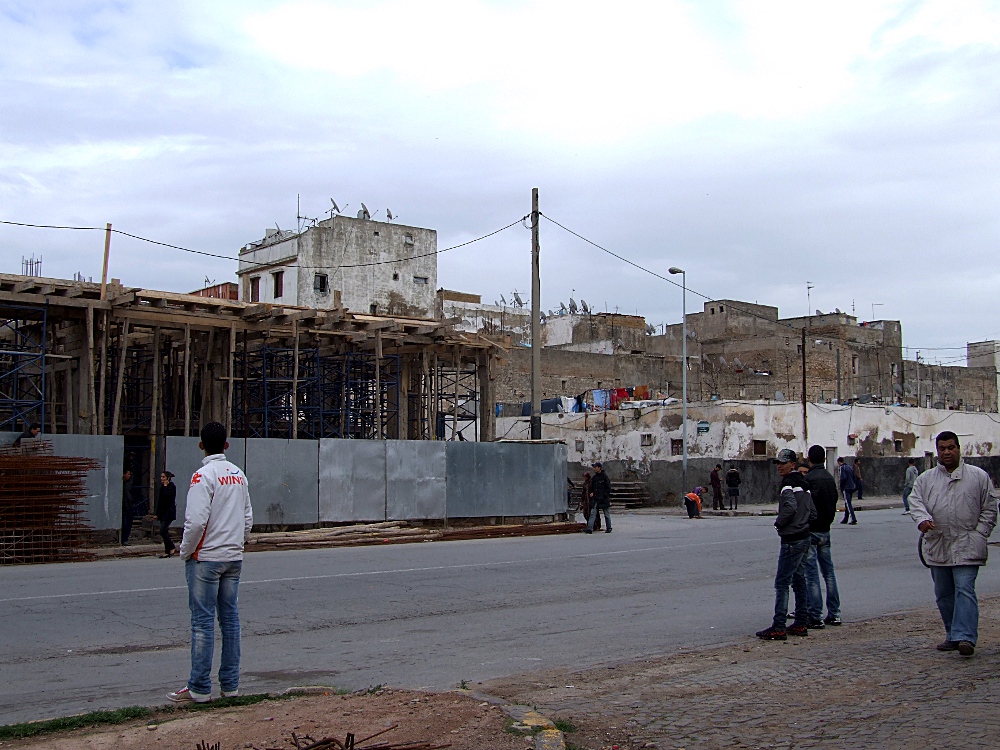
pixel 254 263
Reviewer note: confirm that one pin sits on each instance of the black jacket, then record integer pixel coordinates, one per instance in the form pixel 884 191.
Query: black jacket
pixel 795 509
pixel 824 494
pixel 600 485
pixel 166 503
pixel 732 478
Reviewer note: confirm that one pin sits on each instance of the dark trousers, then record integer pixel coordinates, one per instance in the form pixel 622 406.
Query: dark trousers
pixel 168 543
pixel 126 527
pixel 717 503
pixel 734 498
pixel 848 507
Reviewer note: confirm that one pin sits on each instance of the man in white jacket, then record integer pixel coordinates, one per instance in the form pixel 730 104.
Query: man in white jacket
pixel 955 509
pixel 217 523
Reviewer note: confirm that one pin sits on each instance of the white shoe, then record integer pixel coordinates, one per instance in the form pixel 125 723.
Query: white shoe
pixel 230 693
pixel 184 695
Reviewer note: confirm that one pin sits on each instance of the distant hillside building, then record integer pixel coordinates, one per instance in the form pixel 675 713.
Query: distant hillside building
pixel 368 266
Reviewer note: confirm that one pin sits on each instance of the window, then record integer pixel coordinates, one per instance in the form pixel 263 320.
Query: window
pixel 892 368
pixel 319 283
pixel 786 340
pixel 255 288
pixel 898 445
pixel 408 240
pixel 760 447
pixel 646 438
pixel 854 365
pixel 579 446
pixel 420 279
pixel 564 385
pixel 798 348
pixel 676 447
pixel 721 309
pixel 395 276
pixel 376 234
pixel 279 283
pixel 711 311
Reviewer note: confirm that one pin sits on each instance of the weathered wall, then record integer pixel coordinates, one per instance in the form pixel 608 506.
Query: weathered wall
pixel 944 387
pixel 626 332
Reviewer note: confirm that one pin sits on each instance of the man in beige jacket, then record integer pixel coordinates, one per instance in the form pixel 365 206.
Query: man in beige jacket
pixel 955 509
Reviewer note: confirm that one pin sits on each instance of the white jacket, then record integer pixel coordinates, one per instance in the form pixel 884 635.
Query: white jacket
pixel 218 517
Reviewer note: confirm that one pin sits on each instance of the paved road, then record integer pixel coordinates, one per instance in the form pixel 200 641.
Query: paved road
pixel 82 636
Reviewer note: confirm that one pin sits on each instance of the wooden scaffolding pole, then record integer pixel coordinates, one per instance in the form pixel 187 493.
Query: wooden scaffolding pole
pixel 70 405
pixel 456 361
pixel 91 396
pixel 116 414
pixel 154 408
pixel 378 385
pixel 229 395
pixel 204 417
pixel 187 379
pixel 295 381
pixel 104 372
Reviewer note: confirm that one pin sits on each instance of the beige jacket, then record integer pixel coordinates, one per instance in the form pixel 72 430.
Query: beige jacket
pixel 963 507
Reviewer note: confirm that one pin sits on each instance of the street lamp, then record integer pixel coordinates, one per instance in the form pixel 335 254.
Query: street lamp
pixel 674 270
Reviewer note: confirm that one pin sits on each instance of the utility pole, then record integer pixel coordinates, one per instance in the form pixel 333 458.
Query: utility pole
pixel 536 326
pixel 104 271
pixel 805 423
pixel 673 270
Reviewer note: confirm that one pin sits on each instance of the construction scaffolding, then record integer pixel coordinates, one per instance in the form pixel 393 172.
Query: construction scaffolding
pixel 22 365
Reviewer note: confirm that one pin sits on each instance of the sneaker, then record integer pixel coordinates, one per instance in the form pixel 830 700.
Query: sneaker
pixel 947 646
pixel 587 531
pixel 833 620
pixel 772 634
pixel 184 695
pixel 608 531
pixel 965 648
pixel 844 521
pixel 230 693
pixel 816 625
pixel 798 630
pixel 854 523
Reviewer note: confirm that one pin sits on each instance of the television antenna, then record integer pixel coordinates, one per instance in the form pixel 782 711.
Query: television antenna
pixel 809 287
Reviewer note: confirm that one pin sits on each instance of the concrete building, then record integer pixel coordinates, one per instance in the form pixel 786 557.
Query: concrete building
pixel 985 354
pixel 950 386
pixel 511 322
pixel 367 266
pixel 225 290
pixel 598 333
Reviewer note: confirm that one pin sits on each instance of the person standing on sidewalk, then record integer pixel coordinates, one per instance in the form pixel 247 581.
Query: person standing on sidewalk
pixel 600 493
pixel 128 507
pixel 859 485
pixel 716 480
pixel 847 487
pixel 955 509
pixel 217 524
pixel 733 486
pixel 823 489
pixel 166 512
pixel 908 480
pixel 795 512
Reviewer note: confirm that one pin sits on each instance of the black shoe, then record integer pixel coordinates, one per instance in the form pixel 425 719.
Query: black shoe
pixel 800 629
pixel 965 648
pixel 947 646
pixel 854 523
pixel 608 531
pixel 844 521
pixel 772 634
pixel 833 620
pixel 587 531
pixel 816 625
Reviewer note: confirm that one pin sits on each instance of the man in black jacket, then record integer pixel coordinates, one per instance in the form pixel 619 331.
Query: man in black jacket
pixel 795 512
pixel 600 493
pixel 823 488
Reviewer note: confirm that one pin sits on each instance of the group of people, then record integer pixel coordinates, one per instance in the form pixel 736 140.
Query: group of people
pixel 595 499
pixel 954 505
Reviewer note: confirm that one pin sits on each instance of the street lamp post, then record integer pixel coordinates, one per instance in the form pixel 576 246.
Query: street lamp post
pixel 684 377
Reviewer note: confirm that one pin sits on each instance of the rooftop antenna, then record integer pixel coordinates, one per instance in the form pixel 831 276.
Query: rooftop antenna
pixel 809 287
pixel 209 282
pixel 874 305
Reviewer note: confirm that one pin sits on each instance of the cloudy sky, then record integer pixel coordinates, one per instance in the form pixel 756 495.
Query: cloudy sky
pixel 758 145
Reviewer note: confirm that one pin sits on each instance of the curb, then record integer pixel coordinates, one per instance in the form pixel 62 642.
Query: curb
pixel 526 721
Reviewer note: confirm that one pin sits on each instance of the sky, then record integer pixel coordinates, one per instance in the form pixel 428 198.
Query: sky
pixel 760 145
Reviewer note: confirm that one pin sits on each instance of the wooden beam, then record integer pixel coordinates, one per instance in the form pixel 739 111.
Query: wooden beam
pixel 187 381
pixel 229 397
pixel 53 300
pixel 205 380
pixel 104 373
pixel 91 390
pixel 116 414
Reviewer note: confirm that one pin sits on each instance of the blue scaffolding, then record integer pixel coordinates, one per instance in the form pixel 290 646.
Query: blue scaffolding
pixel 22 366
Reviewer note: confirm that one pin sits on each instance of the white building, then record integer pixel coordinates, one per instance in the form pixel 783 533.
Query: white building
pixel 368 266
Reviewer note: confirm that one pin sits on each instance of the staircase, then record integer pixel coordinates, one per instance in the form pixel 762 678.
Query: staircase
pixel 630 494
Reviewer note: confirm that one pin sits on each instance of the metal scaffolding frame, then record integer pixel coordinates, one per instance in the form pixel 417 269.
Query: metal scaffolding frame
pixel 23 331
pixel 457 403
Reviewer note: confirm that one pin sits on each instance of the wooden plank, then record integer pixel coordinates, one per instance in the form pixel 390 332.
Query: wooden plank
pixel 229 396
pixel 104 372
pixel 116 413
pixel 91 395
pixel 206 398
pixel 187 381
pixel 53 300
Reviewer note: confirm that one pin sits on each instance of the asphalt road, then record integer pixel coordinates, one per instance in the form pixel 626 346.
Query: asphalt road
pixel 83 636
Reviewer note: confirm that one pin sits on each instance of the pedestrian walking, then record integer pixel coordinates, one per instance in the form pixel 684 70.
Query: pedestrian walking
pixel 823 489
pixel 911 476
pixel 128 507
pixel 955 509
pixel 847 487
pixel 859 485
pixel 166 511
pixel 217 524
pixel 715 478
pixel 795 512
pixel 600 495
pixel 733 486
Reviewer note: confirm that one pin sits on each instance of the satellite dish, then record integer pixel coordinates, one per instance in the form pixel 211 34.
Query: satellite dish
pixel 562 308
pixel 722 360
pixel 897 389
pixel 584 306
pixel 517 300
pixel 650 329
pixel 572 305
pixel 364 213
pixel 819 312
pixel 335 206
pixel 779 396
pixel 736 361
pixel 549 313
pixel 502 300
pixel 389 214
pixel 837 310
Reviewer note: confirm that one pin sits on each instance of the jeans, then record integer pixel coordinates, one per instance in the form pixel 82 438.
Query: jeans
pixel 860 487
pixel 126 526
pixel 168 543
pixel 820 560
pixel 906 499
pixel 593 518
pixel 791 571
pixel 848 507
pixel 955 591
pixel 213 586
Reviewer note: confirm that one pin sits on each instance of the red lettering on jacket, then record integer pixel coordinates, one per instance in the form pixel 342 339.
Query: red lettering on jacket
pixel 195 479
pixel 230 479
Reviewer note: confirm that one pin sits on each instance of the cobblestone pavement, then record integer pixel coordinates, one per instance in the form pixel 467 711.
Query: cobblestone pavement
pixel 875 684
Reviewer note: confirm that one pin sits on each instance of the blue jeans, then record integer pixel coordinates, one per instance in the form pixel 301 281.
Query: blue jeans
pixel 212 586
pixel 791 571
pixel 820 560
pixel 906 499
pixel 848 507
pixel 593 518
pixel 955 591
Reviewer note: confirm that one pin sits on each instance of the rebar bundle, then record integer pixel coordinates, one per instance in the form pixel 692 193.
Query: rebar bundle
pixel 41 504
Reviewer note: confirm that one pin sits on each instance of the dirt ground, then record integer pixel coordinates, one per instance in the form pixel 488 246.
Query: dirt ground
pixel 460 721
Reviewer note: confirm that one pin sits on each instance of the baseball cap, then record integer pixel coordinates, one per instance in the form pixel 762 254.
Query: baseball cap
pixel 784 456
pixel 597 465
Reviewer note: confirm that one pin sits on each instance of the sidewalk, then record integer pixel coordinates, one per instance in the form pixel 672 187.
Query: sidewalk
pixel 874 684
pixel 763 509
